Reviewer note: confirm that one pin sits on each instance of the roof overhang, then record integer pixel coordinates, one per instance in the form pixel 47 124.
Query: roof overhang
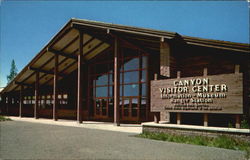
pixel 97 37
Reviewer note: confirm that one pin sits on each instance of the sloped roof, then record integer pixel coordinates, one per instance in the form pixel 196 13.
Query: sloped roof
pixel 96 40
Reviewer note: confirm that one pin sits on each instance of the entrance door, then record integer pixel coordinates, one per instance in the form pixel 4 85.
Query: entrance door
pixel 130 109
pixel 101 108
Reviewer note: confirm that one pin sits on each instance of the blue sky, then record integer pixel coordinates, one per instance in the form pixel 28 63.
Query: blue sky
pixel 27 26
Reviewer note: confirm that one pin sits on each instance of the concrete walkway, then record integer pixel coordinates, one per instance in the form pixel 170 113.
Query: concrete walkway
pixel 25 140
pixel 128 128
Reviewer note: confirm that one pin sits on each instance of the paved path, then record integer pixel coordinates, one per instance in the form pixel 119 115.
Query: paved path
pixel 25 140
pixel 130 128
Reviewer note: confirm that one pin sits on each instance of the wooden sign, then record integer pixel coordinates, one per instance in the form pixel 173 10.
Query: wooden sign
pixel 208 94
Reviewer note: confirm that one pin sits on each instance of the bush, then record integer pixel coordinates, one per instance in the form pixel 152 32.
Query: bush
pixel 244 124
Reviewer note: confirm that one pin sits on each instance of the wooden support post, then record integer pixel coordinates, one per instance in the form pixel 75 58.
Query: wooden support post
pixel 116 84
pixel 21 101
pixel 205 72
pixel 237 121
pixel 205 115
pixel 55 88
pixel 36 96
pixel 79 78
pixel 205 122
pixel 237 117
pixel 178 114
pixel 8 104
pixel 178 74
pixel 237 68
pixel 178 118
pixel 155 76
pixel 164 58
pixel 156 117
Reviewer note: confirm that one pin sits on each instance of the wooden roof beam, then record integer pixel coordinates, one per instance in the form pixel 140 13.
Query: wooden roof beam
pixel 43 71
pixel 94 48
pixel 133 45
pixel 62 53
pixel 23 84
pixel 93 34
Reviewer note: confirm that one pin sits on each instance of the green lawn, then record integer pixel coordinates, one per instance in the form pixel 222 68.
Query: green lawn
pixel 220 141
pixel 2 118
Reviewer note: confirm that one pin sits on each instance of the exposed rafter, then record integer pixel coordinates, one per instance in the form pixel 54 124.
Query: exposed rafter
pixel 129 43
pixel 61 53
pixel 105 39
pixel 94 48
pixel 70 43
pixel 43 71
pixel 23 84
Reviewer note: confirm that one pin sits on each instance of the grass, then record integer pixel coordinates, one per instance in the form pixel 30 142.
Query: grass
pixel 2 118
pixel 220 141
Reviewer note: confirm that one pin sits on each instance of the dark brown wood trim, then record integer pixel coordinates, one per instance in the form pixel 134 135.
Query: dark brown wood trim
pixel 74 52
pixel 55 89
pixel 116 83
pixel 70 43
pixel 45 83
pixel 92 33
pixel 88 42
pixel 79 79
pixel 26 84
pixel 62 53
pixel 129 43
pixel 60 35
pixel 44 71
pixel 21 83
pixel 98 45
pixel 36 96
pixel 21 101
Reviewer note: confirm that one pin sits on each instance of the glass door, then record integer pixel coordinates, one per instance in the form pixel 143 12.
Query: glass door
pixel 101 87
pixel 130 109
pixel 133 80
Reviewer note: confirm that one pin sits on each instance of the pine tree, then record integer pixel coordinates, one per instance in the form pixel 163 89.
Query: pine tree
pixel 13 72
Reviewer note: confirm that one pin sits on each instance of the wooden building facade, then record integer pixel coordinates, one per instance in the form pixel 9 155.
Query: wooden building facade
pixel 99 71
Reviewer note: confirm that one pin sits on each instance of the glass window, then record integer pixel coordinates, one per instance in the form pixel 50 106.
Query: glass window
pixel 144 76
pixel 104 105
pixel 126 107
pixel 131 90
pixel 121 90
pixel 98 106
pixel 110 91
pixel 111 107
pixel 101 91
pixel 65 96
pixel 131 77
pixel 102 80
pixel 144 62
pixel 134 106
pixel 121 77
pixel 121 101
pixel 131 64
pixel 111 79
pixel 144 89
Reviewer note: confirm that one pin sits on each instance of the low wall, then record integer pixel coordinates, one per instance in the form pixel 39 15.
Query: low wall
pixel 190 130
